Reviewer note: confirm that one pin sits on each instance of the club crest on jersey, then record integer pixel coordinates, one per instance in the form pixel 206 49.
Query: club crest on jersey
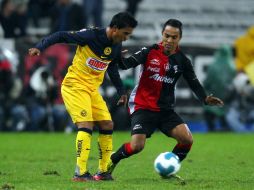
pixel 96 64
pixel 107 50
pixel 83 113
pixel 167 67
pixel 176 68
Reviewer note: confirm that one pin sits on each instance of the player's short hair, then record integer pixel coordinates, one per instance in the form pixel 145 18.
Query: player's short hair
pixel 175 23
pixel 3 4
pixel 123 20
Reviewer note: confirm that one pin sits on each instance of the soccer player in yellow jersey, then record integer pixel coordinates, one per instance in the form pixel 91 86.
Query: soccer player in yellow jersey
pixel 98 50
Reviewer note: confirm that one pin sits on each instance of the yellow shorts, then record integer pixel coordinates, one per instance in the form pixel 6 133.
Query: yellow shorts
pixel 83 105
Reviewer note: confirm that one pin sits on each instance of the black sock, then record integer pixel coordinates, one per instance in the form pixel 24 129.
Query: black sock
pixel 124 151
pixel 181 150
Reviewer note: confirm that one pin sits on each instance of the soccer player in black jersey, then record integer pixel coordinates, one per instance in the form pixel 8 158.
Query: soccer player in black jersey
pixel 151 102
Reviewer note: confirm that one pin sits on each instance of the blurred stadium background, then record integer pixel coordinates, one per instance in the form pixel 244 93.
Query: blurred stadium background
pixel 207 26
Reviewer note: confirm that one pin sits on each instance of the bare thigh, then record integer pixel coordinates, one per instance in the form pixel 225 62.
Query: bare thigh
pixel 182 134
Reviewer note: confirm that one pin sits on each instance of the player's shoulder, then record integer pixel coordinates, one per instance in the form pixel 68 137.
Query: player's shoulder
pixel 88 32
pixel 153 47
pixel 182 54
pixel 147 49
pixel 182 57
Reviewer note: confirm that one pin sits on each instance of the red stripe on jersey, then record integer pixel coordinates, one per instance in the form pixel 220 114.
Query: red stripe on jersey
pixel 147 93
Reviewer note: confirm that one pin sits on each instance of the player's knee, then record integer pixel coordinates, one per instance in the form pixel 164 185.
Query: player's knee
pixel 137 147
pixel 106 125
pixel 86 125
pixel 110 125
pixel 187 140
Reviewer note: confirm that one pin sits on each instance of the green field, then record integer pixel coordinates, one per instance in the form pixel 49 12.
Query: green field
pixel 40 161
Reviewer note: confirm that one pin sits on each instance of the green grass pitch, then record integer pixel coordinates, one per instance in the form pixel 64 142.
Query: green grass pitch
pixel 46 161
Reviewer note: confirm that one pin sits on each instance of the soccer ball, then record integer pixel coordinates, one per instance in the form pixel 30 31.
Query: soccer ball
pixel 166 164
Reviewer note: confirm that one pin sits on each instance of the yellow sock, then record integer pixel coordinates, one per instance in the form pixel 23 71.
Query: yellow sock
pixel 105 149
pixel 83 144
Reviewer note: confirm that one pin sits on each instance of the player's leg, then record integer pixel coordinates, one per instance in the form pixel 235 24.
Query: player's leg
pixel 143 124
pixel 103 119
pixel 173 126
pixel 81 114
pixel 105 146
pixel 83 147
pixel 184 140
pixel 135 146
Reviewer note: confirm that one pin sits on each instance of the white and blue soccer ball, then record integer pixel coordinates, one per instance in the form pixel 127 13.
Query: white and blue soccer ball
pixel 166 164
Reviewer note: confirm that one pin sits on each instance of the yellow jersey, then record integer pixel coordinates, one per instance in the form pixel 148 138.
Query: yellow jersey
pixel 94 55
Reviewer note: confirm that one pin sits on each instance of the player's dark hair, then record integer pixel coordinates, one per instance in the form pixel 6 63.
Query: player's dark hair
pixel 123 20
pixel 3 4
pixel 174 23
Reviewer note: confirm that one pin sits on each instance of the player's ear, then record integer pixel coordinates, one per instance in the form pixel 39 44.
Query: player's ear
pixel 114 28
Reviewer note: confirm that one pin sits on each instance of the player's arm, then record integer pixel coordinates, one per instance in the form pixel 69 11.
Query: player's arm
pixel 197 88
pixel 70 37
pixel 136 59
pixel 115 78
pixel 117 82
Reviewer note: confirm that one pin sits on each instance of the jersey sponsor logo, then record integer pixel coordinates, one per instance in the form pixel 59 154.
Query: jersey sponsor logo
pixel 136 127
pixel 153 69
pixel 155 62
pixel 159 78
pixel 96 64
pixel 107 50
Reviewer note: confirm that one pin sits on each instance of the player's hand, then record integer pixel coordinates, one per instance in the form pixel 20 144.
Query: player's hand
pixel 213 101
pixel 123 100
pixel 34 52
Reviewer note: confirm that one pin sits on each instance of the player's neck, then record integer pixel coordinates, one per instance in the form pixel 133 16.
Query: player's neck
pixel 168 53
pixel 109 33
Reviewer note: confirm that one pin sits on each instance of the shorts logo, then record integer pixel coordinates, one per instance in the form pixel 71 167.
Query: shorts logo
pixel 107 50
pixel 83 113
pixel 96 64
pixel 136 127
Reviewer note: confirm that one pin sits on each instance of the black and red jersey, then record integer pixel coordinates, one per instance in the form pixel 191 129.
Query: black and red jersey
pixel 159 73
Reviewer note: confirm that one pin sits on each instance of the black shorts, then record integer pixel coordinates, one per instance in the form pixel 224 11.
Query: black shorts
pixel 146 122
